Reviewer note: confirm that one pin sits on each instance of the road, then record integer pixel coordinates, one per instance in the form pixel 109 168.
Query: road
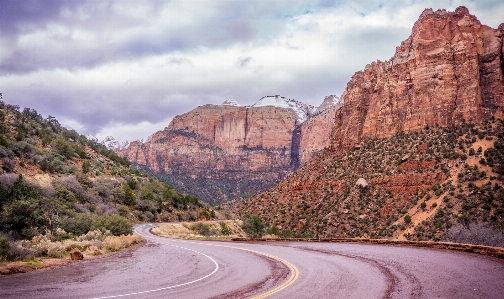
pixel 169 268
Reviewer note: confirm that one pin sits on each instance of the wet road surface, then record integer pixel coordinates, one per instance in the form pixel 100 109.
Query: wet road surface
pixel 168 268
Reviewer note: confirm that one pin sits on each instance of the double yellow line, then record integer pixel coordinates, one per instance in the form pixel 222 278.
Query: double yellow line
pixel 293 270
pixel 294 276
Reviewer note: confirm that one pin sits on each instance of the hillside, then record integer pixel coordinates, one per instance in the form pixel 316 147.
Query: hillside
pixel 442 178
pixel 52 178
pixel 415 149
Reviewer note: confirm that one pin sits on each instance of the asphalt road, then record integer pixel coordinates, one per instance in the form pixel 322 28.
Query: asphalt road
pixel 168 268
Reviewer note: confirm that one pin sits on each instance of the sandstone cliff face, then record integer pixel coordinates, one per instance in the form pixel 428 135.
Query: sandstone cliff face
pixel 229 150
pixel 401 129
pixel 448 71
pixel 315 132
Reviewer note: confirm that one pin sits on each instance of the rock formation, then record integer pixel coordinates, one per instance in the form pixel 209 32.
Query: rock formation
pixel 315 132
pixel 222 151
pixel 404 129
pixel 449 71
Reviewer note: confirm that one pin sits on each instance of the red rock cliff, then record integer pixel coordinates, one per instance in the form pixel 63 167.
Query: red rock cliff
pixel 449 70
pixel 231 149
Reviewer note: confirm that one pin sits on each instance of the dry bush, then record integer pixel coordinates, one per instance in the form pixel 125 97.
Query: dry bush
pixel 116 243
pixel 93 250
pixel 106 209
pixel 18 252
pixel 7 180
pixel 183 230
pixel 56 249
pixel 90 243
pixel 112 244
pixel 95 235
pixel 71 244
pixel 476 233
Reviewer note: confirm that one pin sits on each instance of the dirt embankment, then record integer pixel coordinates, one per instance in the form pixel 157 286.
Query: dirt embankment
pixel 40 264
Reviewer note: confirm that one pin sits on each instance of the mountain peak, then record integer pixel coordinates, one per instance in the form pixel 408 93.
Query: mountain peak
pixel 329 101
pixel 112 144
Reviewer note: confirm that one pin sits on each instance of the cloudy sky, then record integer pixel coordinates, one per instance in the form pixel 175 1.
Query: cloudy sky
pixel 126 68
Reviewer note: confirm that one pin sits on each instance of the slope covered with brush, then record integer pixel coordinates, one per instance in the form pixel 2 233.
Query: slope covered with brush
pixel 53 178
pixel 436 184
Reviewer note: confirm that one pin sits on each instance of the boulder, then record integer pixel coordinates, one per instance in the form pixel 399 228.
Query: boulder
pixel 76 255
pixel 361 183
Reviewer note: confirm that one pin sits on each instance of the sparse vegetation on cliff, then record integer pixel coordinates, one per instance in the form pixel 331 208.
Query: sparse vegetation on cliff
pixel 421 186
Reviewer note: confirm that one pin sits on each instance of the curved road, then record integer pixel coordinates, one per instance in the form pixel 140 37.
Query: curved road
pixel 169 268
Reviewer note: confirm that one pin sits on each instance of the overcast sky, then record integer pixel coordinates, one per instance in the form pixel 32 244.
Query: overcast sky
pixel 126 68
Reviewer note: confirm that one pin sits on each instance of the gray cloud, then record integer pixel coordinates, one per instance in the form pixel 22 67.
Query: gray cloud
pixel 243 62
pixel 103 66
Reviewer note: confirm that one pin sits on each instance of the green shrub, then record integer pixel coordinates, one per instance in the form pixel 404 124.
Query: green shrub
pixel 61 146
pixel 407 219
pixel 78 225
pixel 4 248
pixel 128 197
pixel 3 142
pixel 116 224
pixel 225 230
pixel 200 228
pixel 274 231
pixel 22 210
pixel 86 166
pixel 253 226
pixel 64 237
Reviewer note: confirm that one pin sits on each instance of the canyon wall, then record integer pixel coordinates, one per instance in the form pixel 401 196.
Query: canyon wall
pixel 449 71
pixel 217 152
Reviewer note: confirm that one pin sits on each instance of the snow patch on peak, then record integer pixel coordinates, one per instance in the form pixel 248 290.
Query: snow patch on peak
pixel 111 143
pixel 302 110
pixel 230 102
pixel 329 101
pixel 91 137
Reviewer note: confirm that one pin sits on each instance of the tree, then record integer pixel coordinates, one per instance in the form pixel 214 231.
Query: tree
pixel 127 195
pixel 78 225
pixel 86 166
pixel 22 210
pixel 253 226
pixel 20 190
pixel 62 147
pixel 116 224
pixel 4 248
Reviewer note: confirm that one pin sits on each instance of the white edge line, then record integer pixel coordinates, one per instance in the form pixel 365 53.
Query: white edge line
pixel 169 287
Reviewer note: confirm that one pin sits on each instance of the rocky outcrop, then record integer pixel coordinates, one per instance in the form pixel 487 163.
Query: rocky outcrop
pixel 449 71
pixel 404 128
pixel 315 132
pixel 217 152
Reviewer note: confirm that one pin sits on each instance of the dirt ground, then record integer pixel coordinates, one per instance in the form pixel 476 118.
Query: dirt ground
pixel 41 264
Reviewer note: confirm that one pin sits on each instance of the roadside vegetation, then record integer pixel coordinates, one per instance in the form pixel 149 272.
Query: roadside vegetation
pixel 58 188
pixel 202 230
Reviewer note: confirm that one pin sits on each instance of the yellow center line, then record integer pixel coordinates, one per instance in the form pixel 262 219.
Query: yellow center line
pixel 293 270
